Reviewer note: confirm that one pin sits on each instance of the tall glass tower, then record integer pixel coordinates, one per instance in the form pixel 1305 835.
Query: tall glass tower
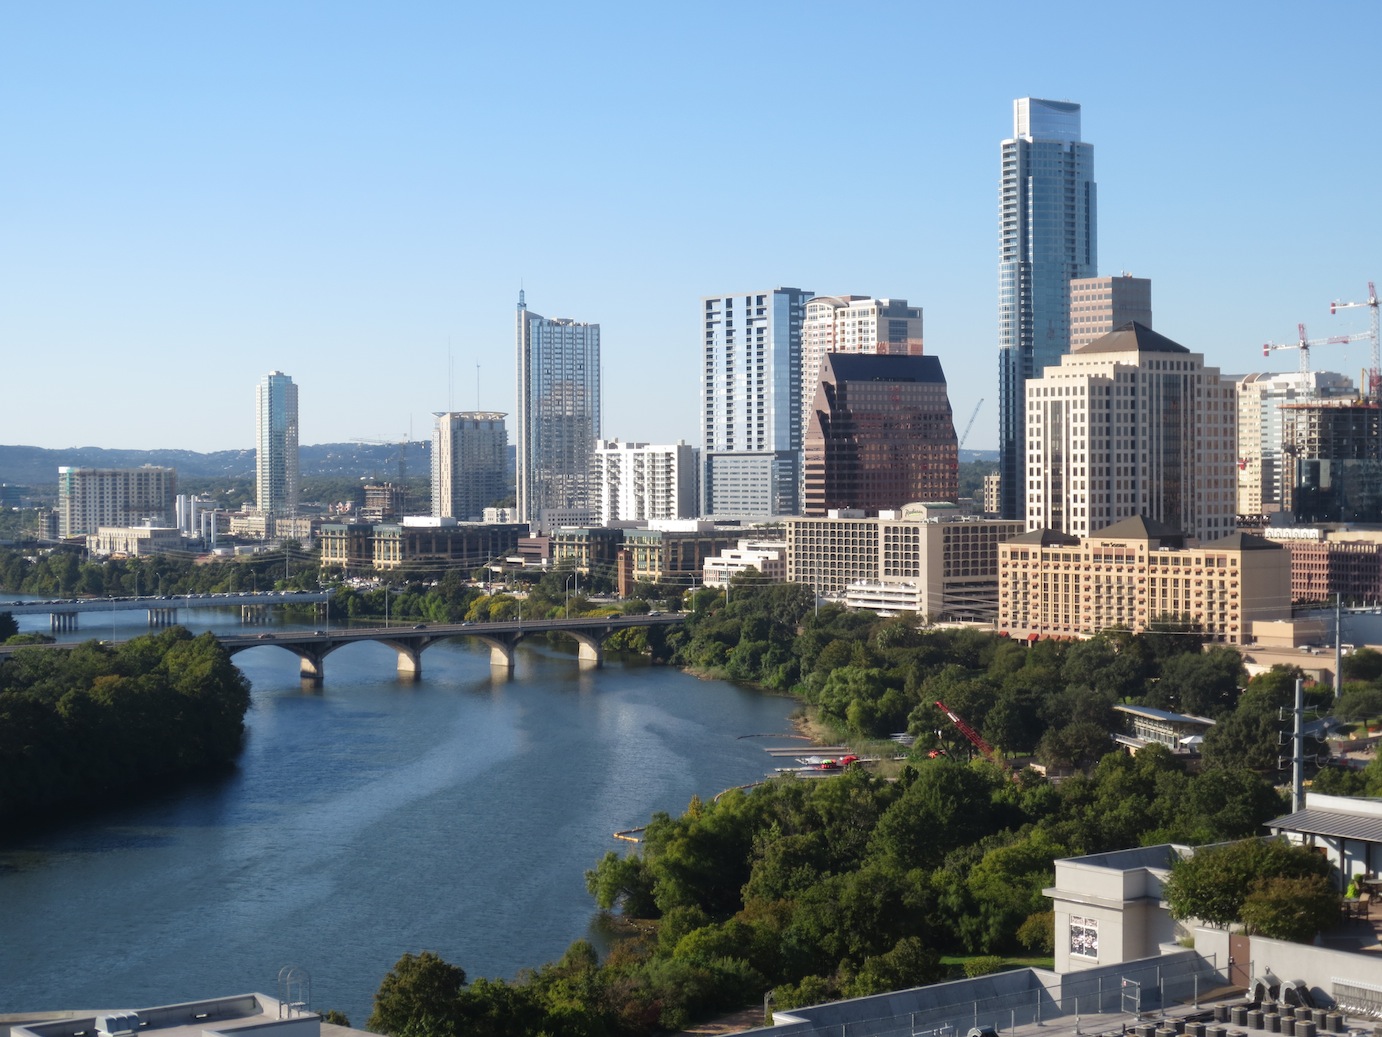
pixel 558 416
pixel 1048 234
pixel 276 444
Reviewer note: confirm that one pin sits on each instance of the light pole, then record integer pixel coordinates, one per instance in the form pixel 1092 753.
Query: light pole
pixel 568 594
pixel 386 604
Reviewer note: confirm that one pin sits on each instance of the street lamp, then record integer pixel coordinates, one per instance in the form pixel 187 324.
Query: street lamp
pixel 568 592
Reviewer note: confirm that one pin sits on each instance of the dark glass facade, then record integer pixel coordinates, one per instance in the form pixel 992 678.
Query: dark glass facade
pixel 881 435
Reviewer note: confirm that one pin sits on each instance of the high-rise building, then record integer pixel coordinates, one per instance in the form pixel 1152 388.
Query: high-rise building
pixel 1100 304
pixel 751 402
pixel 1265 466
pixel 854 324
pixel 89 498
pixel 1132 425
pixel 558 415
pixel 880 434
pixel 636 482
pixel 276 445
pixel 469 462
pixel 1333 473
pixel 1047 238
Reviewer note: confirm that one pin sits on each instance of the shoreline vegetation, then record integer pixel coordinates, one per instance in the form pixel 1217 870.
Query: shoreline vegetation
pixel 856 884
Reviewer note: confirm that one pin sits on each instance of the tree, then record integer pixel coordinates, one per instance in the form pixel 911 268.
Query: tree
pixel 420 997
pixel 1291 908
pixel 1214 882
pixel 8 626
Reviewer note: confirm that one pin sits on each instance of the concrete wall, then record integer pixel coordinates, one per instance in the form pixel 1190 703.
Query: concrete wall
pixel 1317 966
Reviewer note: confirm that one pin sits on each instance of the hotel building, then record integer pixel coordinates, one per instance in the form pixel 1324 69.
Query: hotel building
pixel 1135 573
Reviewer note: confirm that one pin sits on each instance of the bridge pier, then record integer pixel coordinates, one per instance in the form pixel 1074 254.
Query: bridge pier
pixel 62 622
pixel 312 670
pixel 254 615
pixel 409 663
pixel 591 655
pixel 163 617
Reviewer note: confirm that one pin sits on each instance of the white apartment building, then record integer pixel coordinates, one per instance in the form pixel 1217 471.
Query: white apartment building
pixel 135 541
pixel 854 324
pixel 89 498
pixel 751 406
pixel 1132 424
pixel 638 482
pixel 1264 469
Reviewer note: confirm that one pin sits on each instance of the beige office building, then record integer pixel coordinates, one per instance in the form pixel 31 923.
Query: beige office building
pixel 1134 573
pixel 1132 424
pixel 938 563
pixel 1100 304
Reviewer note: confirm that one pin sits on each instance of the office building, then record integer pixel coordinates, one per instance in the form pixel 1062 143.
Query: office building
pixel 674 554
pixel 636 482
pixel 558 397
pixel 469 463
pixel 1047 238
pixel 1132 424
pixel 1265 466
pixel 89 498
pixel 992 487
pixel 1135 573
pixel 925 558
pixel 751 403
pixel 1100 304
pixel 880 434
pixel 276 445
pixel 854 324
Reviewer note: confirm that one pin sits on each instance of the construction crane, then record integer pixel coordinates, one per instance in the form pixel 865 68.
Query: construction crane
pixel 970 424
pixel 1374 372
pixel 1304 344
pixel 989 751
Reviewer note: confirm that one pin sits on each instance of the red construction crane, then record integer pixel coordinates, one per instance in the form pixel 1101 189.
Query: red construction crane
pixel 971 734
pixel 1375 372
pixel 1304 344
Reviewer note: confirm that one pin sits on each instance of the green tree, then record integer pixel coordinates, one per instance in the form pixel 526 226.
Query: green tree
pixel 420 997
pixel 1291 908
pixel 1213 883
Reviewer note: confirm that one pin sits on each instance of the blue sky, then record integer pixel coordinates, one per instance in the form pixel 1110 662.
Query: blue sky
pixel 192 195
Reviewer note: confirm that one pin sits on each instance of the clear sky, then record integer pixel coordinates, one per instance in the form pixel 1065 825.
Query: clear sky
pixel 194 194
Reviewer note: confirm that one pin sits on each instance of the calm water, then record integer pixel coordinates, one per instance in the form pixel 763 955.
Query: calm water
pixel 368 819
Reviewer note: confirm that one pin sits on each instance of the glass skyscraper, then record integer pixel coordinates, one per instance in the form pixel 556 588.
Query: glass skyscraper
pixel 1048 233
pixel 276 445
pixel 558 416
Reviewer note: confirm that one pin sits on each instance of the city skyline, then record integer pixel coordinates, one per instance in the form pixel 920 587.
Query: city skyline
pixel 353 190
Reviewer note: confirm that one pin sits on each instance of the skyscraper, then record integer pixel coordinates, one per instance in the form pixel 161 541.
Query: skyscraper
pixel 469 458
pixel 276 445
pixel 1048 234
pixel 558 415
pixel 751 402
pixel 854 324
pixel 1100 304
pixel 1132 425
pixel 881 434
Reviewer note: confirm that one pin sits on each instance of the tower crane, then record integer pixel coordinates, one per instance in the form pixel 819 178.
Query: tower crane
pixel 403 444
pixel 963 726
pixel 970 424
pixel 1304 344
pixel 1374 372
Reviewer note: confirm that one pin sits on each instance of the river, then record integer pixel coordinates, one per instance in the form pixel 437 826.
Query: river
pixel 366 819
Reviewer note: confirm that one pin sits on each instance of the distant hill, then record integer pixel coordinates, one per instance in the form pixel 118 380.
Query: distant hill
pixel 37 468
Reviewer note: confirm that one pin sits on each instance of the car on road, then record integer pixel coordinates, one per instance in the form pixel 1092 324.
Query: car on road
pixel 265 637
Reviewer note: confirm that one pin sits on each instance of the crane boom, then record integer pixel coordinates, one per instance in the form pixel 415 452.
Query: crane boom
pixel 970 733
pixel 1304 344
pixel 969 424
pixel 1375 373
